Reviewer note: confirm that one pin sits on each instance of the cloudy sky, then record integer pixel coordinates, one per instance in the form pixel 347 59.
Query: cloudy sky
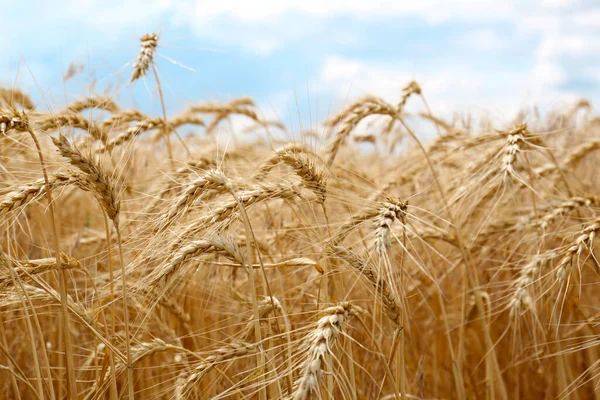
pixel 303 59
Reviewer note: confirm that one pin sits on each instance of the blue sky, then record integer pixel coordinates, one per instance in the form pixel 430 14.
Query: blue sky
pixel 479 57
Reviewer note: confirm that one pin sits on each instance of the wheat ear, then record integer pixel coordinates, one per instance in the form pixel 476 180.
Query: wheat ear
pixel 14 97
pixel 131 132
pixel 351 116
pixel 391 303
pixel 259 193
pixel 188 379
pixel 73 120
pixel 305 169
pixel 575 249
pixel 98 102
pixel 319 344
pixel 204 187
pixel 514 142
pixel 216 245
pixel 390 211
pixel 149 42
pixel 95 175
pixel 26 194
pixel 138 353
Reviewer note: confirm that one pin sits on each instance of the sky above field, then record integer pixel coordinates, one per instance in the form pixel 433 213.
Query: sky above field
pixel 303 59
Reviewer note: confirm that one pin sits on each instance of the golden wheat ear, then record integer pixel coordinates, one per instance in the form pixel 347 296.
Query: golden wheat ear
pixel 149 42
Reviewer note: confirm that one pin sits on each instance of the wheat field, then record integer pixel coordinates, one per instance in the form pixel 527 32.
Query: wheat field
pixel 359 261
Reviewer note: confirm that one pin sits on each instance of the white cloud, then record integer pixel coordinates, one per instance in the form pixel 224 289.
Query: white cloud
pixel 337 68
pixel 483 40
pixel 573 44
pixel 263 26
pixel 435 11
pixel 260 18
pixel 589 19
pixel 448 88
pixel 547 73
pixel 555 3
pixel 115 16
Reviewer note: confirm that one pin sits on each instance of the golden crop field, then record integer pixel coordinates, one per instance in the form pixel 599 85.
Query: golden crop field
pixel 358 261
